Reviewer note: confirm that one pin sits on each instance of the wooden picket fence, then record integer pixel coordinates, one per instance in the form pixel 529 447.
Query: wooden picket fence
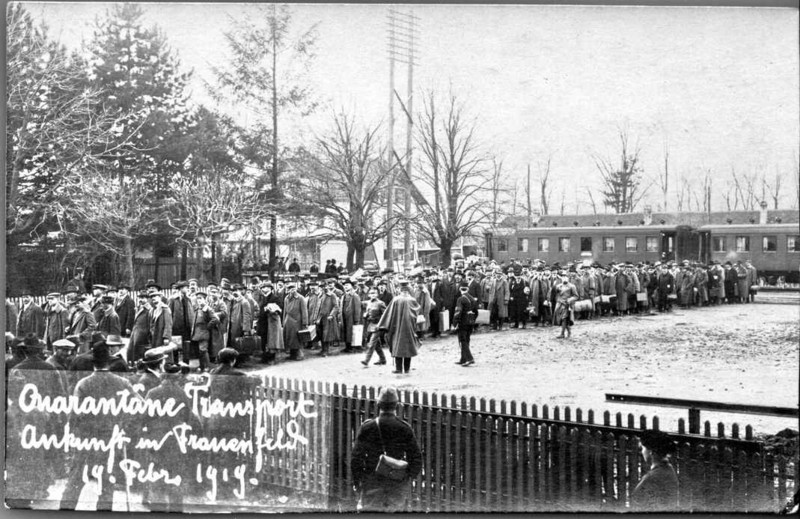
pixel 481 455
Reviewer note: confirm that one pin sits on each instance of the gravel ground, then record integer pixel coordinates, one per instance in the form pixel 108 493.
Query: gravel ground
pixel 739 353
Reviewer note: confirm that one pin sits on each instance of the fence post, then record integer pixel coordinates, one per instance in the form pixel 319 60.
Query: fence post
pixel 694 421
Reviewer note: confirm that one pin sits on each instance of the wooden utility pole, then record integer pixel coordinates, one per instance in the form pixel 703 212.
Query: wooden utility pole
pixel 402 32
pixel 389 252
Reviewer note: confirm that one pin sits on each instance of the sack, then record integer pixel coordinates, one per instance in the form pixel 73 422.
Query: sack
pixel 641 297
pixel 483 317
pixel 420 319
pixel 307 334
pixel 248 345
pixel 391 468
pixel 358 334
pixel 444 321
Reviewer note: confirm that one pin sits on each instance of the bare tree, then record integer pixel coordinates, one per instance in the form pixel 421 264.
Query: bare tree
pixel 663 178
pixel 773 187
pixel 347 180
pixel 208 206
pixel 591 200
pixel 744 187
pixel 111 214
pixel 622 185
pixel 543 179
pixel 497 190
pixel 451 169
pixel 797 181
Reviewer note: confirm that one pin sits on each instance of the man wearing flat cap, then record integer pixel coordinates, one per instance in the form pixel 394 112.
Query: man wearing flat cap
pixel 390 435
pixel 81 322
pixel 109 320
pixel 96 302
pixel 56 319
pixel 180 305
pixel 657 491
pixel 152 367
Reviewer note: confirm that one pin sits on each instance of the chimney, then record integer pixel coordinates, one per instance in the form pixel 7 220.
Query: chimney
pixel 536 217
pixel 762 215
pixel 648 215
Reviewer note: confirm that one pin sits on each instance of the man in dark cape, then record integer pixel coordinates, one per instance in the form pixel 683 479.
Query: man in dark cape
pixel 399 322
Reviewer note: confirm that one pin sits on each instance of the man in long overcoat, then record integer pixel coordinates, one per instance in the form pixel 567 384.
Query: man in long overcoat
pixel 498 300
pixel 56 319
pixel 182 311
pixel 295 318
pixel 240 318
pixel 268 323
pixel 351 315
pixel 31 318
pixel 140 330
pixel 519 292
pixel 327 317
pixel 81 322
pixel 126 310
pixel 205 320
pixel 160 321
pixel 423 298
pixel 109 320
pixel 399 324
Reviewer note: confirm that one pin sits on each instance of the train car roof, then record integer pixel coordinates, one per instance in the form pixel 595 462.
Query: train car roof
pixel 750 227
pixel 608 228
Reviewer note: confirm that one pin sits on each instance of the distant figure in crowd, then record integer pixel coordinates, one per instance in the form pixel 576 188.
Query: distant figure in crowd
pixel 294 267
pixel 399 323
pixel 295 319
pixel 109 320
pixel 393 436
pixel 658 489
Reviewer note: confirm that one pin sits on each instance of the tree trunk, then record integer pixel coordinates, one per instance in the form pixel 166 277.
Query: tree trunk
pixel 444 253
pixel 351 250
pixel 201 267
pixel 273 220
pixel 184 261
pixel 129 274
pixel 359 253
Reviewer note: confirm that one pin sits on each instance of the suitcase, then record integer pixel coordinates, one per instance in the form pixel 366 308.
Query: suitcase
pixel 307 334
pixel 358 334
pixel 444 321
pixel 483 317
pixel 641 297
pixel 583 306
pixel 248 345
pixel 607 299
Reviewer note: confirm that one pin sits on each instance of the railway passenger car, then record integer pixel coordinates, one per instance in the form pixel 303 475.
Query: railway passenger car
pixel 769 239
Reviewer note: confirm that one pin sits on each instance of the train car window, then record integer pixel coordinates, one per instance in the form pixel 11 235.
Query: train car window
pixel 651 244
pixel 743 244
pixel 631 244
pixel 522 244
pixel 544 245
pixel 563 245
pixel 586 244
pixel 793 243
pixel 502 245
pixel 608 244
pixel 718 243
pixel 770 244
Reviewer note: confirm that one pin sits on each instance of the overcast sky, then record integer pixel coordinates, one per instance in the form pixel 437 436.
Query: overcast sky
pixel 721 84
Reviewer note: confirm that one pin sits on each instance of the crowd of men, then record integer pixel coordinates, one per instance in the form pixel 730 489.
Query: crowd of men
pixel 297 314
